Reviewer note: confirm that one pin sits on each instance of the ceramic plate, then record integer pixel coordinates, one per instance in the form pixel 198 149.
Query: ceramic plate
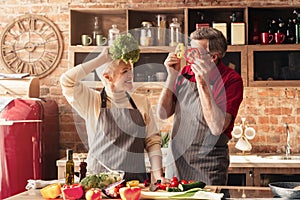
pixel 174 195
pixel 158 194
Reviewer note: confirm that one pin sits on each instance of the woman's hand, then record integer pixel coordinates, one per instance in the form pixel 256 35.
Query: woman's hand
pixel 104 55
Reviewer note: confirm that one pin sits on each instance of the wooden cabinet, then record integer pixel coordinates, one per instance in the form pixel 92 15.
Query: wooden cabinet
pixel 259 65
pixel 241 176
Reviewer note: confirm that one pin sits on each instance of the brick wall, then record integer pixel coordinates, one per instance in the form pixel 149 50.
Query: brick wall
pixel 266 109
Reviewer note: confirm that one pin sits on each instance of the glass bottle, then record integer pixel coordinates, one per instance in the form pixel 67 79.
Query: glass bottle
pixel 175 32
pixel 96 30
pixel 70 167
pixel 297 26
pixel 255 35
pixel 161 30
pixel 82 170
pixel 290 32
pixel 113 33
pixel 146 38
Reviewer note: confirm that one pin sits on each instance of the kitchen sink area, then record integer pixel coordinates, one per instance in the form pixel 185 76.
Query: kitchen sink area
pixel 261 169
pixel 282 157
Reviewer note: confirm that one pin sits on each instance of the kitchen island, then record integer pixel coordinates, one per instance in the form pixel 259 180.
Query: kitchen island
pixel 236 192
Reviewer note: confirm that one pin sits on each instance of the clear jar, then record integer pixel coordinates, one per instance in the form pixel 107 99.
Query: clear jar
pixel 175 33
pixel 146 37
pixel 113 34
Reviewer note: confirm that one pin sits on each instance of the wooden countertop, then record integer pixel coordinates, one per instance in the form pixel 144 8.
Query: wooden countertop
pixel 236 192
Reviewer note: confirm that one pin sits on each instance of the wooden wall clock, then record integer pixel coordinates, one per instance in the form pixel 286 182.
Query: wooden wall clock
pixel 31 44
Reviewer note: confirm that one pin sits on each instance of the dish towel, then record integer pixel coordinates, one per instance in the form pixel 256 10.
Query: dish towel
pixel 4 101
pixel 37 184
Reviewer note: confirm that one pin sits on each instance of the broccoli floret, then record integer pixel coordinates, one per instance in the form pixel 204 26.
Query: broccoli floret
pixel 91 181
pixel 126 48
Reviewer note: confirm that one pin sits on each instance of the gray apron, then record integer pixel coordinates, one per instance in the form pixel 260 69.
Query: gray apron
pixel 119 142
pixel 196 154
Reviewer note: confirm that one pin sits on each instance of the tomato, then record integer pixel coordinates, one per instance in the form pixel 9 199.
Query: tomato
pixel 146 182
pixel 174 178
pixel 174 183
pixel 183 181
pixel 162 186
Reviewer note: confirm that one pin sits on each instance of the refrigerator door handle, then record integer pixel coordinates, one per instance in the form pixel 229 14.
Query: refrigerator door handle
pixel 11 122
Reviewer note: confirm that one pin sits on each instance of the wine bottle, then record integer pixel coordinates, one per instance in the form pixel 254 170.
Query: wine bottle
pixel 297 26
pixel 70 167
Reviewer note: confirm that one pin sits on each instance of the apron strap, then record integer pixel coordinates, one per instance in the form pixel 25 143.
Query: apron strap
pixel 131 101
pixel 104 98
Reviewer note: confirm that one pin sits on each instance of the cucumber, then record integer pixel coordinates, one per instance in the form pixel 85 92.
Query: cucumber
pixel 173 189
pixel 188 186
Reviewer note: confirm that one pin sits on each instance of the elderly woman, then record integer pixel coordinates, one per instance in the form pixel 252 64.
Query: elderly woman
pixel 119 125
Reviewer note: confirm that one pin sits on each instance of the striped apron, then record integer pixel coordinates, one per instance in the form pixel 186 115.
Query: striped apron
pixel 119 142
pixel 196 154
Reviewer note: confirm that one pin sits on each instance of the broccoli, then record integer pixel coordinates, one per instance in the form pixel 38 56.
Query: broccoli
pixel 126 48
pixel 101 180
pixel 91 181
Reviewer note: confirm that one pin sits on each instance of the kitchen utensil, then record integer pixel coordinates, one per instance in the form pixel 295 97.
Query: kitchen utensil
pixel 279 38
pixel 250 133
pixel 243 144
pixel 237 131
pixel 101 40
pixel 266 38
pixel 285 189
pixel 86 40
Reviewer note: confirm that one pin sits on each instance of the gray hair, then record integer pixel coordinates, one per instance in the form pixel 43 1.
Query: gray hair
pixel 217 41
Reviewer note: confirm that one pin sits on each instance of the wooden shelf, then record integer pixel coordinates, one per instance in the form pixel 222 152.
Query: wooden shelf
pixel 249 58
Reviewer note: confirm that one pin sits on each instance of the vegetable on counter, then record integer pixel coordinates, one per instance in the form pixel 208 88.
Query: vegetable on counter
pixel 188 186
pixel 101 180
pixel 51 191
pixel 132 183
pixel 130 193
pixel 72 192
pixel 179 50
pixel 112 191
pixel 93 194
pixel 126 48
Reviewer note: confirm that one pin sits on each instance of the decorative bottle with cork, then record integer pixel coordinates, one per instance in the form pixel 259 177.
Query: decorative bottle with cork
pixel 69 168
pixel 97 29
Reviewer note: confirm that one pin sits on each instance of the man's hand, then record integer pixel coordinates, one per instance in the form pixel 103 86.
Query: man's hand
pixel 202 69
pixel 172 63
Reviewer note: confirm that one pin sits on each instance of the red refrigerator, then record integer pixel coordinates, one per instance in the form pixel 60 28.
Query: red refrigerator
pixel 29 143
